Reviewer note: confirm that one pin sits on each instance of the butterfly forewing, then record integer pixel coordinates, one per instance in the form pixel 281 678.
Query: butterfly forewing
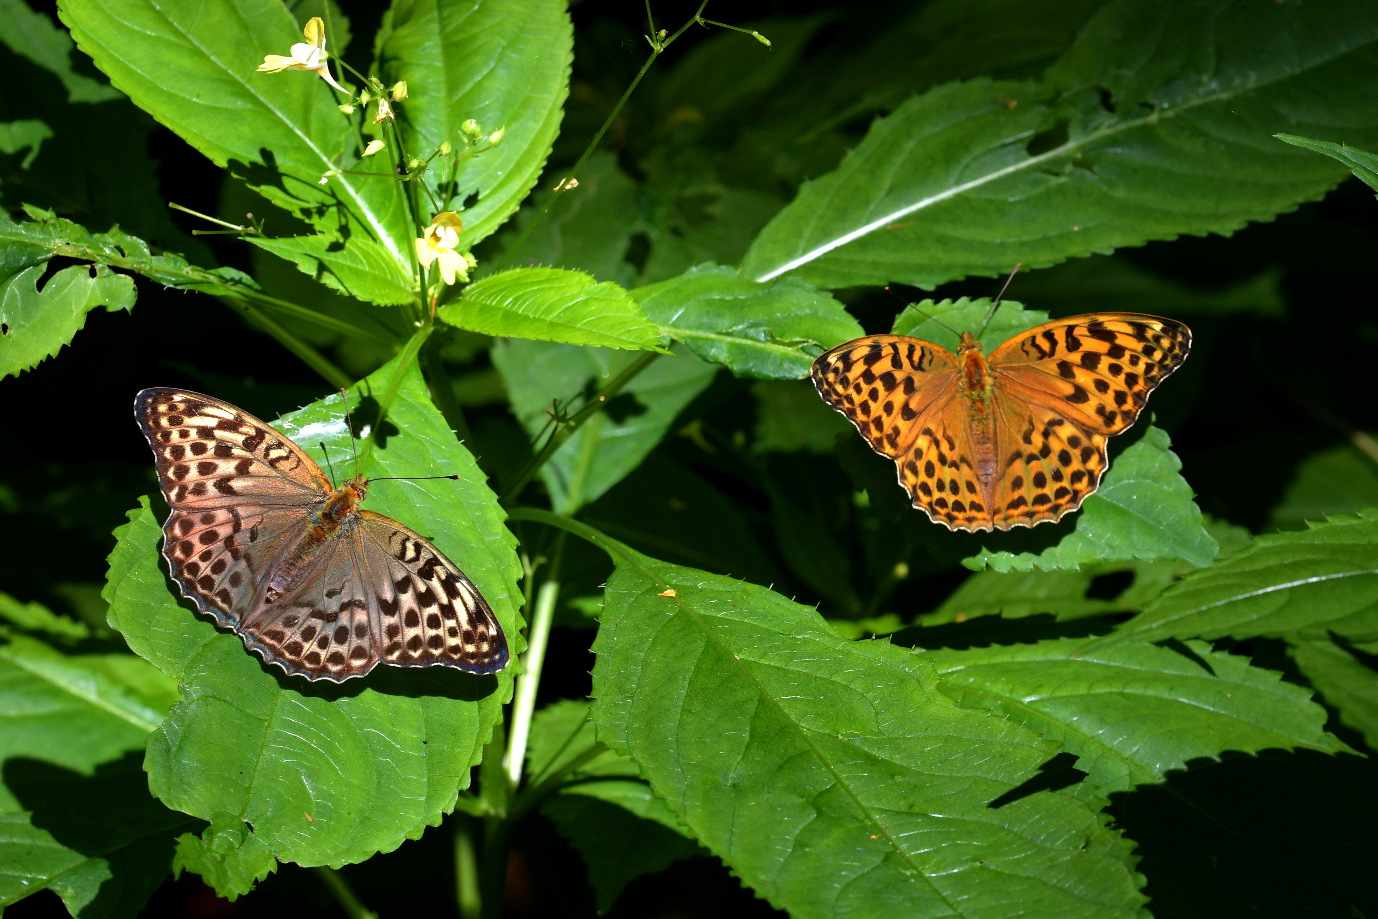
pixel 883 383
pixel 313 584
pixel 1098 369
pixel 211 454
pixel 1014 439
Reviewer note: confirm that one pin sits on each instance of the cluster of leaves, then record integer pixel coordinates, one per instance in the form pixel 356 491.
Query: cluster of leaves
pixel 628 369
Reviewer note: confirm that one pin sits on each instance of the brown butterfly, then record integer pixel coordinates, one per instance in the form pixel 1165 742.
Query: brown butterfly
pixel 259 539
pixel 1016 438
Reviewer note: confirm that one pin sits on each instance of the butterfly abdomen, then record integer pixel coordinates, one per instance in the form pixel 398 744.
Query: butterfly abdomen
pixel 978 385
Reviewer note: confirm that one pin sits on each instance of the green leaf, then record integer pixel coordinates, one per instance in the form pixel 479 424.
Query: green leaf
pixel 36 323
pixel 1133 713
pixel 754 329
pixel 327 774
pixel 193 68
pixel 1156 123
pixel 553 304
pixel 604 808
pixel 1363 164
pixel 1339 480
pixel 35 618
pixel 504 64
pixel 795 755
pixel 612 442
pixel 361 269
pixel 1346 677
pixel 24 134
pixel 1308 584
pixel 227 855
pixel 75 813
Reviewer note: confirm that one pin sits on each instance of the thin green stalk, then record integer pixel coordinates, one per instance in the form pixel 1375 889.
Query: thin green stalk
pixel 657 46
pixel 494 796
pixel 307 354
pixel 564 430
pixel 443 394
pixel 467 895
pixel 538 639
pixel 385 399
pixel 342 893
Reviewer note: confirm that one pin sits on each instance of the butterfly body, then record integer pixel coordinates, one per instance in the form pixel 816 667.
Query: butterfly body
pixel 260 540
pixel 1013 438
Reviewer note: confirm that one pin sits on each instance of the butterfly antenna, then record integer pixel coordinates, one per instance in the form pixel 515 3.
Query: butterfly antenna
pixel 349 424
pixel 911 305
pixel 328 464
pixel 995 304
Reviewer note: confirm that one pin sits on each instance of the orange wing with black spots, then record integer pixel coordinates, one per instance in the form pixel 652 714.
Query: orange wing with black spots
pixel 1016 438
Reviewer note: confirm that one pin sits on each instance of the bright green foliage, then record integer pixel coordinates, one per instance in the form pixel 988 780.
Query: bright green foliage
pixel 503 64
pixel 1183 703
pixel 75 812
pixel 1159 704
pixel 1115 134
pixel 831 774
pixel 548 304
pixel 1316 582
pixel 365 270
pixel 227 854
pixel 38 321
pixel 754 329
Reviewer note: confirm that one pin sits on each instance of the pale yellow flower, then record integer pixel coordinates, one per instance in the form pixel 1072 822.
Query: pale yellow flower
pixel 438 243
pixel 308 55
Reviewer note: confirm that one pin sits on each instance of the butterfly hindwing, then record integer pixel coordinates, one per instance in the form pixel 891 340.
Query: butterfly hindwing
pixel 427 609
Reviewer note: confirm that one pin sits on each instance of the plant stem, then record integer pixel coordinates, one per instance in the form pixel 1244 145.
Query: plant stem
pixel 494 795
pixel 657 46
pixel 538 638
pixel 467 895
pixel 342 893
pixel 564 430
pixel 307 354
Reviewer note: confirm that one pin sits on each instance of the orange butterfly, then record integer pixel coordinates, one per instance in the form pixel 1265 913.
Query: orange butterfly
pixel 1016 438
